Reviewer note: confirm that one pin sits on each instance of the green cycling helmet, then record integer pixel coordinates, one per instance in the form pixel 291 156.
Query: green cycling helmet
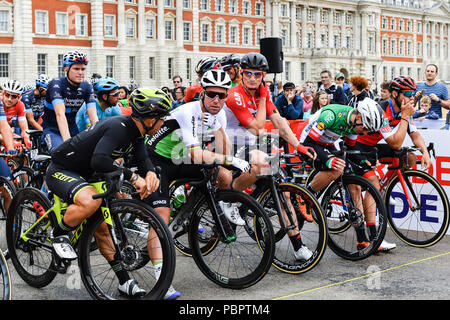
pixel 149 103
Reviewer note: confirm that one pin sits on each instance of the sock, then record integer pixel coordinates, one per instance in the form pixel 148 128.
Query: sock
pixel 372 230
pixel 296 241
pixel 361 234
pixel 121 274
pixel 311 189
pixel 62 229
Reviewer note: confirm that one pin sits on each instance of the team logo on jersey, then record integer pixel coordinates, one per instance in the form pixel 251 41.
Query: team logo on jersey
pixel 340 115
pixel 321 125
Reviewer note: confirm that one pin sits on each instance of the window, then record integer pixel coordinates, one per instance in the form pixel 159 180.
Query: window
pixel 419 49
pixel 170 68
pixel 4 21
pixel 186 4
pixel 151 68
pixel 401 47
pixel 204 5
pixel 384 48
pixel 109 26
pixel 188 68
pixel 392 25
pixel 4 65
pixel 246 7
pixel 393 49
pixel 259 11
pixel 284 39
pixel 302 71
pixel 401 24
pixel 41 63
pixel 384 23
pixel 310 15
pixel 348 19
pixel 233 6
pixel 287 70
pixel 371 45
pixel 233 35
pixel 336 42
pixel 110 66
pixel 219 5
pixel 130 27
pixel 220 34
pixel 259 35
pixel 60 67
pixel 41 22
pixel 168 3
pixel 205 32
pixel 284 10
pixel 409 48
pixel 338 18
pixel 150 28
pixel 348 42
pixel 61 23
pixel 419 27
pixel 132 67
pixel 168 30
pixel 148 1
pixel 409 26
pixel 323 17
pixel 309 40
pixel 81 24
pixel 246 36
pixel 186 31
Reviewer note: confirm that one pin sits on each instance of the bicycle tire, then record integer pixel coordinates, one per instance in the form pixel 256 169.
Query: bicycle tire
pixel 251 264
pixel 5 278
pixel 344 243
pixel 429 229
pixel 33 260
pixel 9 187
pixel 314 234
pixel 24 178
pixel 134 253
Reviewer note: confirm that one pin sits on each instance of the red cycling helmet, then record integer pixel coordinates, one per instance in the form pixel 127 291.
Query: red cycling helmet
pixel 403 83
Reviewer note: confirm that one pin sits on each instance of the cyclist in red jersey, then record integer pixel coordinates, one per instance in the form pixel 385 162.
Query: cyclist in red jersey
pixel 15 109
pixel 193 92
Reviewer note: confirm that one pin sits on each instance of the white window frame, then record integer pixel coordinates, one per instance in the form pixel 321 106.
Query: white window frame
pixel 236 35
pixel 133 19
pixel 113 26
pixel 65 32
pixel 259 9
pixel 187 32
pixel 247 35
pixel 169 23
pixel 42 68
pixel 109 69
pixel 204 32
pixel 7 22
pixel 45 13
pixel 246 7
pixel 221 27
pixel 81 31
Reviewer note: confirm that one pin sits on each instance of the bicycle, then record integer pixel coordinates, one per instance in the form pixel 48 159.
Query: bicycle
pixel 5 278
pixel 227 254
pixel 342 201
pixel 32 217
pixel 425 215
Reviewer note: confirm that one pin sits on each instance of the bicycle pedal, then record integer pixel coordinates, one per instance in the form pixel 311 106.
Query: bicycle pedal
pixel 60 265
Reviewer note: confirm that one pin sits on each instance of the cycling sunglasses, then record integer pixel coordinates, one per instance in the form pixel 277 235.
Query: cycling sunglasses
pixel 10 95
pixel 214 94
pixel 408 94
pixel 256 74
pixel 115 94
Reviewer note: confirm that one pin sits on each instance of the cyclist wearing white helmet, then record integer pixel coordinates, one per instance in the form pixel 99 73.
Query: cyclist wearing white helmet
pixel 35 101
pixel 64 98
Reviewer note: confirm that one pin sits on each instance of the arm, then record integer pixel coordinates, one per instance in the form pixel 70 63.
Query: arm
pixel 92 114
pixel 257 125
pixel 223 144
pixel 395 141
pixel 60 112
pixel 33 123
pixel 5 130
pixel 419 142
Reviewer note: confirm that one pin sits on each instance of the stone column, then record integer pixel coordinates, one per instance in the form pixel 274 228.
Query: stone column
pixel 275 18
pixel 97 58
pixel 293 26
pixel 304 26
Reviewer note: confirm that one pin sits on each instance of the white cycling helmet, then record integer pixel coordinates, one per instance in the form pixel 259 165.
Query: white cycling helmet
pixel 216 78
pixel 13 86
pixel 42 80
pixel 372 114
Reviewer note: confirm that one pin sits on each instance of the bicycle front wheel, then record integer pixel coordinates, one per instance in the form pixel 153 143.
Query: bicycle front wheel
pixel 313 233
pixel 7 191
pixel 243 257
pixel 142 238
pixel 419 210
pixel 5 279
pixel 341 205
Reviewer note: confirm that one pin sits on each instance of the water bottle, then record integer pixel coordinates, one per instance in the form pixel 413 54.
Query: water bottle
pixel 179 198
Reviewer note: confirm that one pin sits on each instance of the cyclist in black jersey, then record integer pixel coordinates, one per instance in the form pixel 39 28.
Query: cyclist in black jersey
pixel 96 149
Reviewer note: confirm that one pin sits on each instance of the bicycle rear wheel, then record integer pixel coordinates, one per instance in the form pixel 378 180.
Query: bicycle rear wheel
pixel 31 256
pixel 342 237
pixel 313 234
pixel 133 241
pixel 241 260
pixel 5 278
pixel 8 187
pixel 428 221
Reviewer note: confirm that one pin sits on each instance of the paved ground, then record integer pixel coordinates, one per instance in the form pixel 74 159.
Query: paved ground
pixel 407 273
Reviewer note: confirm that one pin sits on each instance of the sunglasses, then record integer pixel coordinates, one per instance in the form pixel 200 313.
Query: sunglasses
pixel 408 94
pixel 115 94
pixel 177 82
pixel 10 95
pixel 256 74
pixel 214 94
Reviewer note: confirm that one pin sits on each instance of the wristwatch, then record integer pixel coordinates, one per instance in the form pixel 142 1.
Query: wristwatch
pixel 228 160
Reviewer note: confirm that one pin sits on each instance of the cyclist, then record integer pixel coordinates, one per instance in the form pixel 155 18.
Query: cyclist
pixel 35 100
pixel 247 106
pixel 64 98
pixel 96 149
pixel 193 92
pixel 106 90
pixel 15 109
pixel 231 65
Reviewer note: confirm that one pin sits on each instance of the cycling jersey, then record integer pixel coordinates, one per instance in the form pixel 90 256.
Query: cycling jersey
pixel 34 103
pixel 15 113
pixel 193 93
pixel 390 126
pixel 329 124
pixel 241 108
pixel 61 91
pixel 183 130
pixel 82 117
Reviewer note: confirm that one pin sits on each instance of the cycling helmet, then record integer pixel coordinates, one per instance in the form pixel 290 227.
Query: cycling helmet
pixel 13 86
pixel 230 60
pixel 105 84
pixel 402 83
pixel 149 103
pixel 133 85
pixel 216 78
pixel 94 78
pixel 206 64
pixel 42 80
pixel 254 60
pixel 372 114
pixel 74 57
pixel 27 88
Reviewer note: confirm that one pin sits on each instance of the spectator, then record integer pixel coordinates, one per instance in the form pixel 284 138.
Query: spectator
pixel 177 83
pixel 340 81
pixel 384 92
pixel 369 92
pixel 424 112
pixel 437 91
pixel 321 99
pixel 123 93
pixel 123 100
pixel 308 92
pixel 179 97
pixel 289 104
pixel 336 93
pixel 358 88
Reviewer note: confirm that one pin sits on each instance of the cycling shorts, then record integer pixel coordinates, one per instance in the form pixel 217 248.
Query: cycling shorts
pixel 52 137
pixel 323 154
pixel 384 151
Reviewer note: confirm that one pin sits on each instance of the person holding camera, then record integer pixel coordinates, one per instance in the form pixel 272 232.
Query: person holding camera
pixel 289 104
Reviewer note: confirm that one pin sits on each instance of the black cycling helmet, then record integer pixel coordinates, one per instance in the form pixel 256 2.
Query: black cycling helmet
pixel 206 64
pixel 230 60
pixel 149 103
pixel 254 60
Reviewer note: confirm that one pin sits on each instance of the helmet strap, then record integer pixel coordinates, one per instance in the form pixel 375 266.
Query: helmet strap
pixel 146 128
